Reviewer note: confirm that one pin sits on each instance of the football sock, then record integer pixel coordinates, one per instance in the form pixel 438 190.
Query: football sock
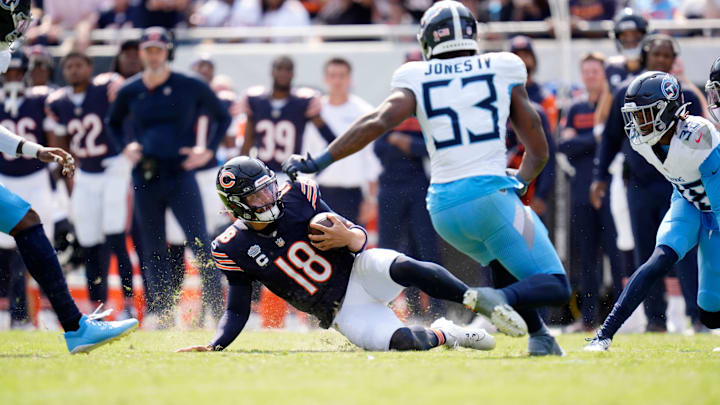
pixel 416 338
pixel 431 278
pixel 116 243
pixel 96 270
pixel 502 278
pixel 656 267
pixel 538 290
pixel 42 263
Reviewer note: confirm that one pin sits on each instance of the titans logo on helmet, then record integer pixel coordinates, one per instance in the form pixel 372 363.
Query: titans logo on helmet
pixel 670 87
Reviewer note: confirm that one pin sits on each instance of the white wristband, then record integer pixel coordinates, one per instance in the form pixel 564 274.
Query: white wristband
pixel 30 149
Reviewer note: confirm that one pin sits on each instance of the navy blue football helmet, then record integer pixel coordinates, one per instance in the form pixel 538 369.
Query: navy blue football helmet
pixel 653 103
pixel 447 26
pixel 15 19
pixel 249 189
pixel 628 20
pixel 712 89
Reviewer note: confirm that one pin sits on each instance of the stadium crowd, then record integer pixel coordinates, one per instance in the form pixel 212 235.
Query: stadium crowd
pixel 174 152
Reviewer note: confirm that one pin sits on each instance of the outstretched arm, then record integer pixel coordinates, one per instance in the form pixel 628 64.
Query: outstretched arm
pixel 394 110
pixel 529 130
pixel 232 322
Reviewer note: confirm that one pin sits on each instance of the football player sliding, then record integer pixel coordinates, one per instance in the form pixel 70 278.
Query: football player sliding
pixel 83 333
pixel 463 100
pixel 684 148
pixel 329 275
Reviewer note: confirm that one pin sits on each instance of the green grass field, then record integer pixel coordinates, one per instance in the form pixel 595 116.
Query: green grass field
pixel 323 368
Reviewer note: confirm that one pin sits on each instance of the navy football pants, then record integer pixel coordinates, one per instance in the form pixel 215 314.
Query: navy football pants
pixel 179 192
pixel 648 205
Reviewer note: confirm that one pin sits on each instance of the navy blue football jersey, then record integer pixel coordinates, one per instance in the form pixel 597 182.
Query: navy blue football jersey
pixel 29 123
pixel 617 72
pixel 84 122
pixel 283 259
pixel 279 125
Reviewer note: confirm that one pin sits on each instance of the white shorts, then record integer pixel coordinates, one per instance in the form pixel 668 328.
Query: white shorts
pixel 100 202
pixel 212 207
pixel 36 190
pixel 364 317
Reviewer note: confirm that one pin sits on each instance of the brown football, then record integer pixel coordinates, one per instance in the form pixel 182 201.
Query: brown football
pixel 321 219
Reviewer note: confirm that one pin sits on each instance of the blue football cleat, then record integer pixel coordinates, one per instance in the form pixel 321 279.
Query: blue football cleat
pixel 94 333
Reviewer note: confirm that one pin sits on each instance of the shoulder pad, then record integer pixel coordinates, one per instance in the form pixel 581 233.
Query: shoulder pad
pixel 305 186
pixel 56 95
pixel 227 95
pixel 39 91
pixel 104 78
pixel 305 92
pixel 255 91
pixel 696 133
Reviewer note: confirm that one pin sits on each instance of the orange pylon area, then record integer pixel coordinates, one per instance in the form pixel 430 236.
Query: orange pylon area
pixel 272 309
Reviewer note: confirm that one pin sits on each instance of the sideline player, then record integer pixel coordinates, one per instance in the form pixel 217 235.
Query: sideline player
pixel 99 198
pixel 22 111
pixel 463 101
pixel 83 333
pixel 276 118
pixel 684 148
pixel 330 275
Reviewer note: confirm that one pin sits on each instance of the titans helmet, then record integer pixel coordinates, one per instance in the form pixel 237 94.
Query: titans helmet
pixel 712 89
pixel 628 20
pixel 15 19
pixel 447 26
pixel 249 190
pixel 653 103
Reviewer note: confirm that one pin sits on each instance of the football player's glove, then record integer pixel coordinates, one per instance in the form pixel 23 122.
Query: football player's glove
pixel 520 191
pixel 297 164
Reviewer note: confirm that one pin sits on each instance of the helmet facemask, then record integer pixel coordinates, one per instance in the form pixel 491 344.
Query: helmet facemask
pixel 712 90
pixel 648 123
pixel 21 22
pixel 260 204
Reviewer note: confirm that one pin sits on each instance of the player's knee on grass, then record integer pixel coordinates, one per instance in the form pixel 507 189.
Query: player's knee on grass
pixel 413 338
pixel 29 220
pixel 710 319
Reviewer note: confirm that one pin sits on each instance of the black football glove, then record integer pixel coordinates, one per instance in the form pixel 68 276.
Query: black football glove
pixel 297 164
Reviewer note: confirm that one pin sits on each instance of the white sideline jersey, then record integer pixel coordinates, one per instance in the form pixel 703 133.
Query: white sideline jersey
pixel 694 139
pixel 463 105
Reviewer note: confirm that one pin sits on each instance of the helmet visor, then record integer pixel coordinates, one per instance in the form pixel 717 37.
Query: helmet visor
pixel 263 199
pixel 712 90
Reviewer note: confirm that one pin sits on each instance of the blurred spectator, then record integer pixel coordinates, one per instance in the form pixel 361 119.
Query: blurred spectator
pixel 57 16
pixel 525 10
pixel 678 70
pixel 163 13
pixel 204 66
pixel 590 229
pixel 123 14
pixel 269 13
pixel 212 13
pixel 40 66
pixel 341 12
pixel 656 9
pixel 590 10
pixel 522 47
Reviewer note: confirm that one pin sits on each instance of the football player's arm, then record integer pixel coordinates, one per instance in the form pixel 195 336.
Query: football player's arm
pixel 546 178
pixel 399 106
pixel 218 113
pixel 529 131
pixel 610 144
pixel 323 129
pixel 117 113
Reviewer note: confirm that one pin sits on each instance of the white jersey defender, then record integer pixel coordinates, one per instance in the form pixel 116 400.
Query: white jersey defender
pixel 464 101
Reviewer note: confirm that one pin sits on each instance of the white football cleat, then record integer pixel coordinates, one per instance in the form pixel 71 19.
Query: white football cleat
pixel 598 345
pixel 472 338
